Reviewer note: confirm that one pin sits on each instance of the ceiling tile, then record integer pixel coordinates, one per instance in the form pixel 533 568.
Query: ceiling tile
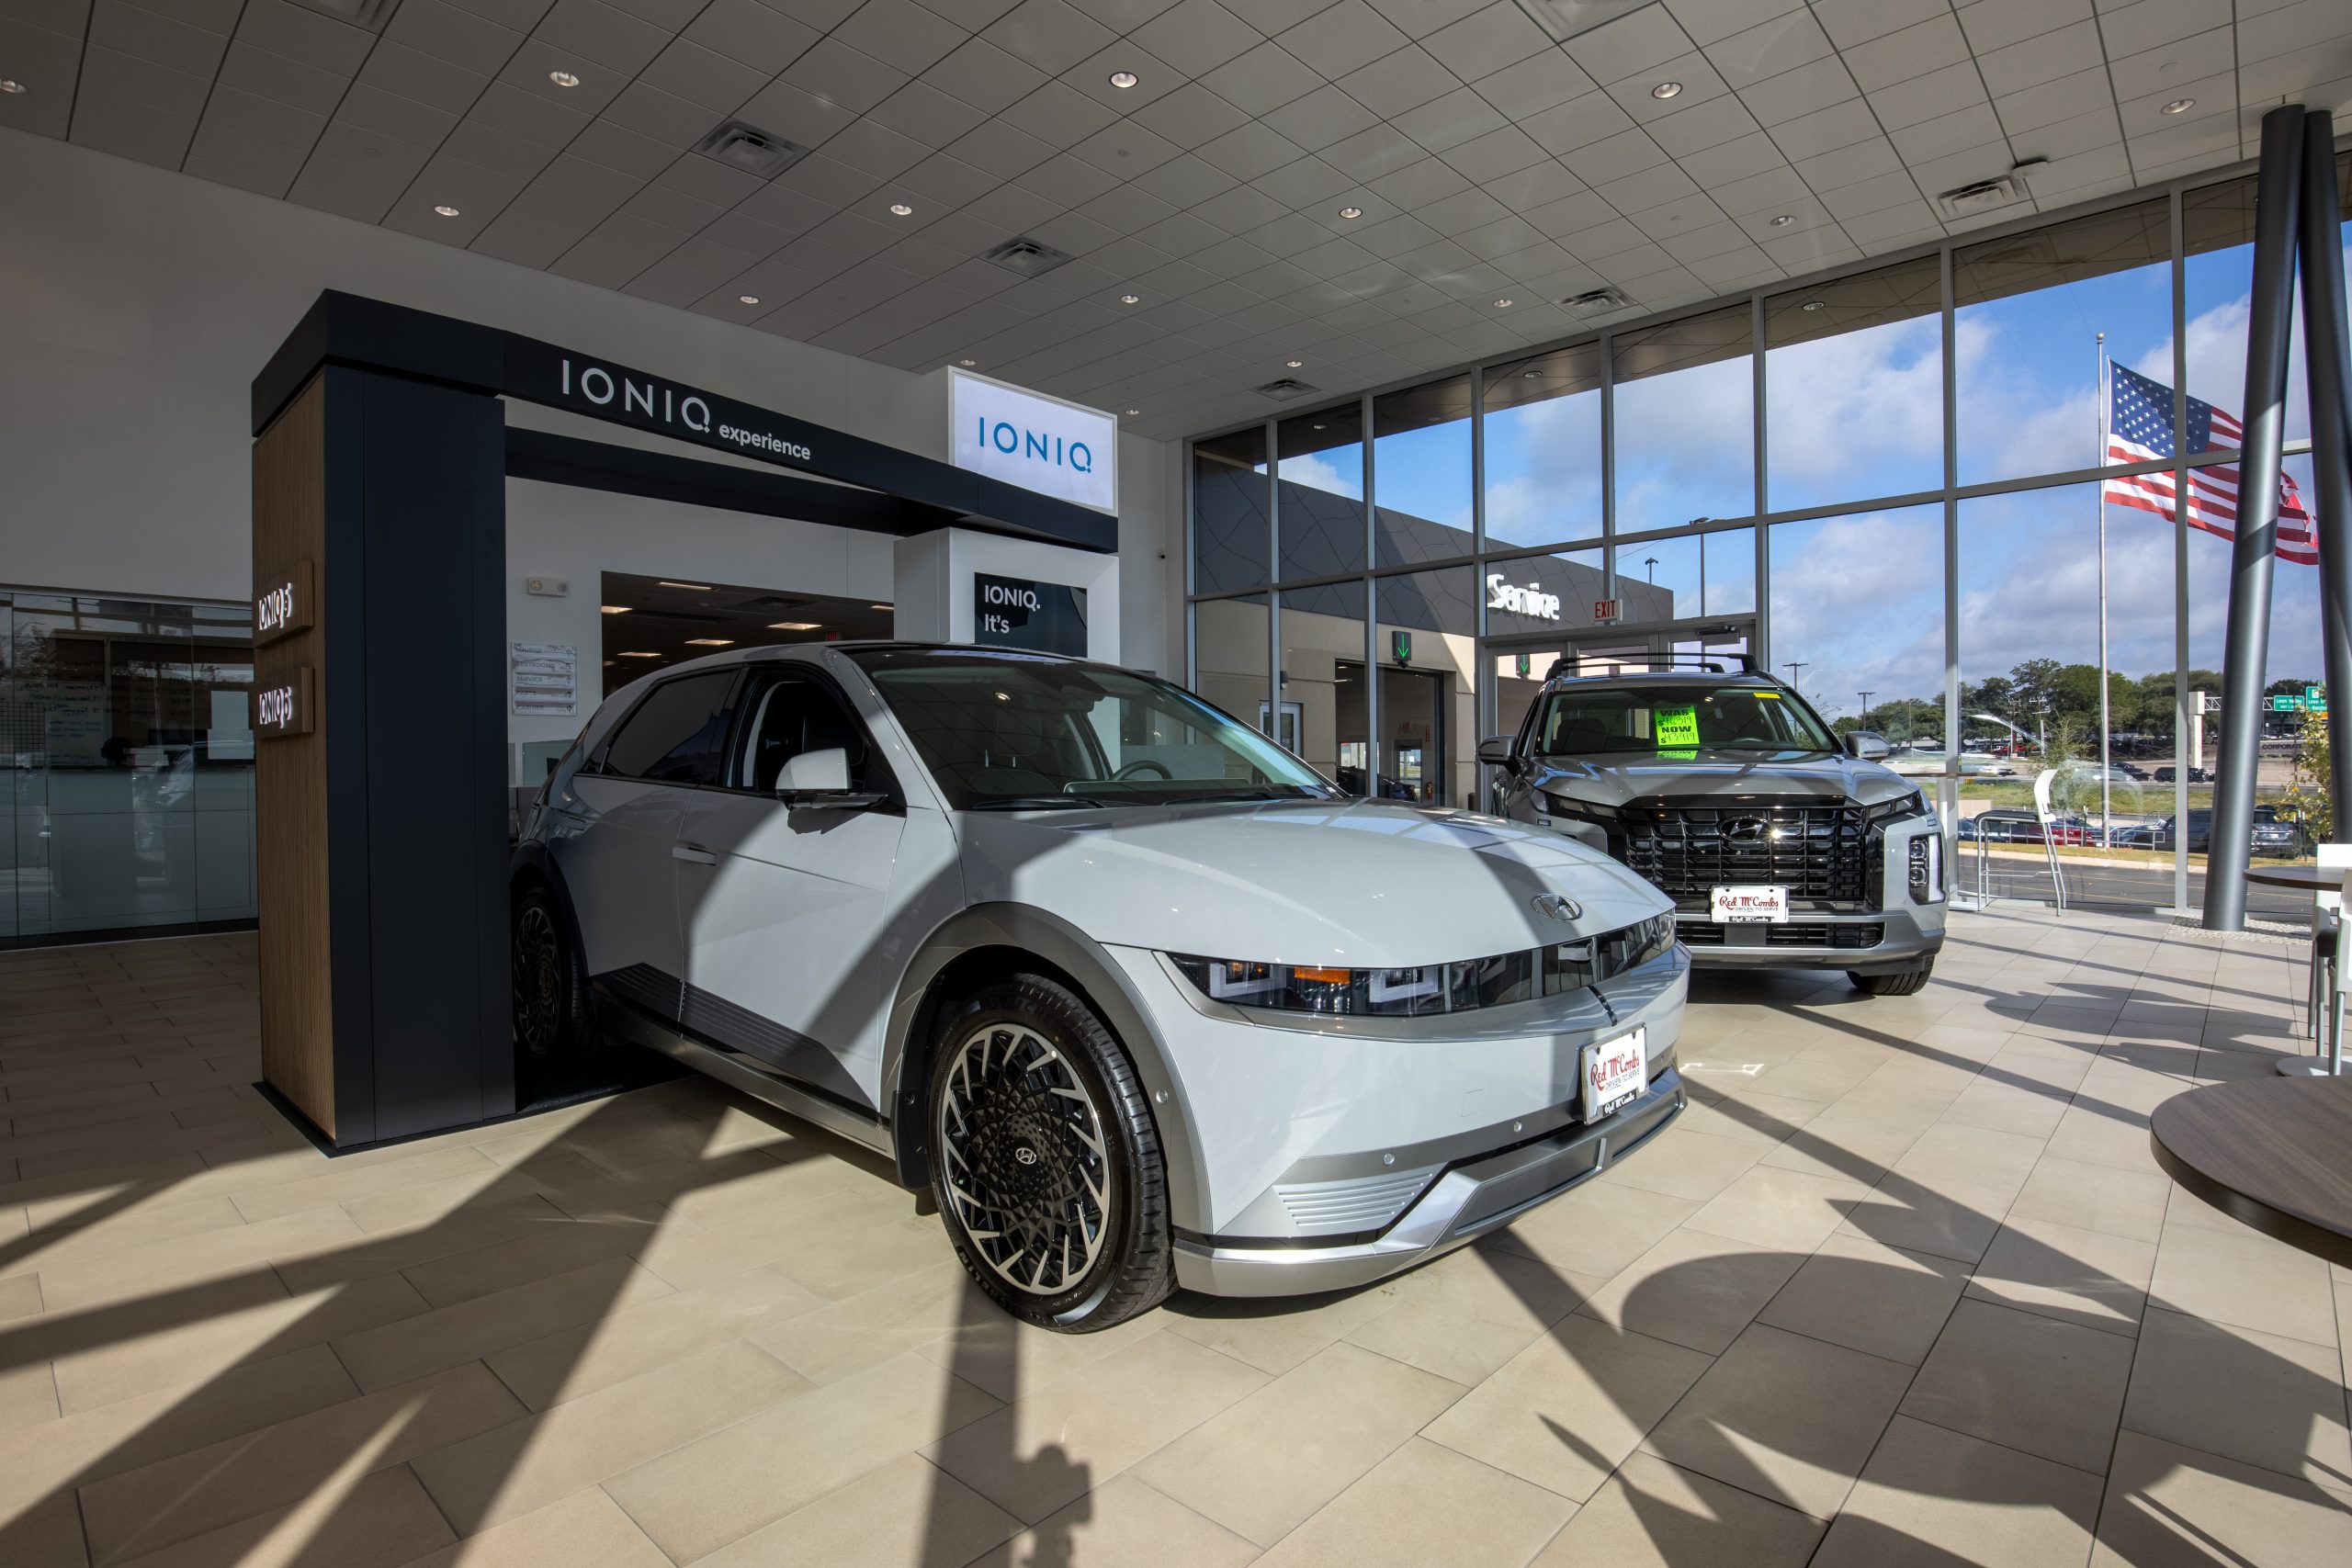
pixel 1990 24
pixel 1580 122
pixel 610 37
pixel 460 36
pixel 1265 78
pixel 1912 52
pixel 1344 38
pixel 1781 44
pixel 1198 35
pixel 1487 40
pixel 161 40
pixel 1461 116
pixel 103 70
pixel 263 117
pixel 1048 35
pixel 2039 60
pixel 928 115
pixel 846 77
pixel 750 34
pixel 984 77
pixel 901 33
pixel 288 81
pixel 1943 92
pixel 1794 93
pixel 429 80
pixel 1629 45
pixel 1852 22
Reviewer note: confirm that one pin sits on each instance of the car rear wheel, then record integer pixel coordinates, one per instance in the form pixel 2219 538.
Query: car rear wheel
pixel 1045 1161
pixel 1906 982
pixel 550 987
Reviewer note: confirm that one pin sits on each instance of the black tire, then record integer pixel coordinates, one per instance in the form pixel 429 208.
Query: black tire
pixel 1019 1073
pixel 550 987
pixel 1908 982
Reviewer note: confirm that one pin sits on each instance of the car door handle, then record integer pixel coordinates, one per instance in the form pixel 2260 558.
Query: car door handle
pixel 693 853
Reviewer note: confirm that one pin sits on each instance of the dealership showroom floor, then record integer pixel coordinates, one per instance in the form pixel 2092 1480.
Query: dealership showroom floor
pixel 1904 1285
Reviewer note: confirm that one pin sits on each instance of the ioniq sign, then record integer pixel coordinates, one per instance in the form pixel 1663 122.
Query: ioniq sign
pixel 1038 443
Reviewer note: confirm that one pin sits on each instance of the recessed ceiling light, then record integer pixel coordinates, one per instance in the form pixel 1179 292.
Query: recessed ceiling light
pixel 967 364
pixel 447 212
pixel 629 654
pixel 618 609
pixel 1815 304
pixel 1532 375
pixel 1123 78
pixel 881 606
pixel 1784 220
pixel 563 78
pixel 1351 212
pixel 1502 304
pixel 711 641
pixel 1295 363
pixel 900 210
pixel 1666 90
pixel 747 299
pixel 1129 300
pixel 698 587
pixel 792 625
pixel 1135 414
pixel 10 84
pixel 2180 106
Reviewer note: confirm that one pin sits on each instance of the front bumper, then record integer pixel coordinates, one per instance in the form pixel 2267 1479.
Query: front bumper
pixel 1461 1205
pixel 1880 942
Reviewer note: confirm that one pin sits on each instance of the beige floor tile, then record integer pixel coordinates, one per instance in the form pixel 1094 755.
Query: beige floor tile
pixel 1819 1080
pixel 474 1330
pixel 2101 1137
pixel 1694 1289
pixel 90 1225
pixel 2244 1277
pixel 1870 1297
pixel 2170 1505
pixel 1789 1418
pixel 1653 1515
pixel 2028 1381
pixel 908 1514
pixel 721 1487
pixel 2094 1197
pixel 1948 1152
pixel 46 1534
pixel 1929 1496
pixel 2260 1399
pixel 1272 1334
pixel 1385 1519
pixel 1261 1466
pixel 523 1464
pixel 1122 1523
pixel 1011 1360
pixel 2068 1273
pixel 1742 1111
pixel 1471 1311
pixel 1685 1165
pixel 203 1489
pixel 27 1396
pixel 1841 1149
pixel 847 1337
pixel 143 1271
pixel 1904 1107
pixel 1783 1208
pixel 505 1246
pixel 1032 1458
pixel 372 1520
pixel 586 1529
pixel 335 1185
pixel 19 1294
pixel 1992 1102
pixel 603 1350
pixel 1595 1230
pixel 1567 1410
pixel 1956 1219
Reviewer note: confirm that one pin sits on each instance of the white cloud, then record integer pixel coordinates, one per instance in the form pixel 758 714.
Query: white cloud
pixel 1318 472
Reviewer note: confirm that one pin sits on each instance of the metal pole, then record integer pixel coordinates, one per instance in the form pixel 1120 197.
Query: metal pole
pixel 2106 789
pixel 2325 356
pixel 2279 195
pixel 2182 698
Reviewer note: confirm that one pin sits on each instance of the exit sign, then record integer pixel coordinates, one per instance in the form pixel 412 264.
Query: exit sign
pixel 1604 609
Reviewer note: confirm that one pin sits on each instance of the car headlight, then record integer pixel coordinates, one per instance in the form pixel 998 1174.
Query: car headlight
pixel 1432 987
pixel 1901 808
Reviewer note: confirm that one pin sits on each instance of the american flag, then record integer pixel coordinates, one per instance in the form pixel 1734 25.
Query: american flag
pixel 2140 430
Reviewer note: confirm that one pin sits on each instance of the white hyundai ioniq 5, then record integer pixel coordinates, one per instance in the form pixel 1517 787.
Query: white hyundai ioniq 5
pixel 1141 998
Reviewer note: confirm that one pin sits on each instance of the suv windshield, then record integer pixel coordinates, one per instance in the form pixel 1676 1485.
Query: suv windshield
pixel 1015 732
pixel 1679 718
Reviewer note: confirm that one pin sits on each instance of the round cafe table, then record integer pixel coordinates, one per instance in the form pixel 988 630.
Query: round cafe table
pixel 2273 1153
pixel 2314 880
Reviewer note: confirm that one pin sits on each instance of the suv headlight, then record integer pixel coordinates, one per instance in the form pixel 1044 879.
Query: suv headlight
pixel 1432 987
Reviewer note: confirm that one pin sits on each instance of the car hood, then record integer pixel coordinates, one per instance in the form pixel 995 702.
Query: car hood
pixel 1355 883
pixel 1731 776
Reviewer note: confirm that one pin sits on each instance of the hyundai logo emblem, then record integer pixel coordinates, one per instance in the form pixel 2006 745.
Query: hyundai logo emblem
pixel 1558 907
pixel 1747 830
pixel 1025 1155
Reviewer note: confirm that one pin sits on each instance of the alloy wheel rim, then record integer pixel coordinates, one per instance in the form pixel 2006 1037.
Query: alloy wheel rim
pixel 1024 1160
pixel 537 967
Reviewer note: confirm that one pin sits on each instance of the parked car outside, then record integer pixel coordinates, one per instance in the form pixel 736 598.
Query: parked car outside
pixel 2270 834
pixel 2017 825
pixel 1142 999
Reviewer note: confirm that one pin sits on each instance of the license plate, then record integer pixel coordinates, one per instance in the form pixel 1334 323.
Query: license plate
pixel 1770 905
pixel 1614 1072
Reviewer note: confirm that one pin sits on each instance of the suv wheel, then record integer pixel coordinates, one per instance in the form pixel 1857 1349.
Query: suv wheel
pixel 1044 1159
pixel 551 988
pixel 1908 982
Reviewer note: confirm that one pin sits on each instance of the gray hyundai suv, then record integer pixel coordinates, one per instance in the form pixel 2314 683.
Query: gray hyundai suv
pixel 1779 845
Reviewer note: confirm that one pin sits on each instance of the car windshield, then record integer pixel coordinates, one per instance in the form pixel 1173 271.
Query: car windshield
pixel 1016 732
pixel 1675 718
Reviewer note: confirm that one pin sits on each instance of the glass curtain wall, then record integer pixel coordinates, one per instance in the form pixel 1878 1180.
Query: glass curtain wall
pixel 126 733
pixel 2060 358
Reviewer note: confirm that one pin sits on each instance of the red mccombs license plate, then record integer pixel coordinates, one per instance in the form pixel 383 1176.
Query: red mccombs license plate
pixel 1614 1072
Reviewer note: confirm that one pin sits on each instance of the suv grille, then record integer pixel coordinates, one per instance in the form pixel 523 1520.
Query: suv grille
pixel 1819 850
pixel 1820 933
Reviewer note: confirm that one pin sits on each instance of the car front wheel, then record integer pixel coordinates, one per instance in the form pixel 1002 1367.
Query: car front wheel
pixel 1907 982
pixel 1045 1161
pixel 551 988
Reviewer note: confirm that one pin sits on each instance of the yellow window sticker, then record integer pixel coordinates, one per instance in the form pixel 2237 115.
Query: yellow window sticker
pixel 1678 726
pixel 1769 696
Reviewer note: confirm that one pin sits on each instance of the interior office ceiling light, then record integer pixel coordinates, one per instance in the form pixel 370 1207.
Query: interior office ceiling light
pixel 1123 79
pixel 793 625
pixel 1351 212
pixel 10 84
pixel 627 654
pixel 900 210
pixel 446 210
pixel 1502 304
pixel 1134 412
pixel 967 364
pixel 618 609
pixel 1815 304
pixel 747 299
pixel 1295 363
pixel 2180 106
pixel 711 641
pixel 1666 90
pixel 1130 300
pixel 1784 220
pixel 881 606
pixel 697 587
pixel 563 78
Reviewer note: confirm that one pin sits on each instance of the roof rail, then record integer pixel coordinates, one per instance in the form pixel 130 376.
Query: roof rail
pixel 1664 663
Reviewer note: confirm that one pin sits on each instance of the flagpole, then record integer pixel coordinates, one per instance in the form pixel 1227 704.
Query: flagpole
pixel 2106 786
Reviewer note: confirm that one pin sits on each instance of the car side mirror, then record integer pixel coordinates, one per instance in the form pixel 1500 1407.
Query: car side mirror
pixel 1867 745
pixel 820 780
pixel 1494 749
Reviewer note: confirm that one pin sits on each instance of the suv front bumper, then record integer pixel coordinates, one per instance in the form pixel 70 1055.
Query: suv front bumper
pixel 1879 942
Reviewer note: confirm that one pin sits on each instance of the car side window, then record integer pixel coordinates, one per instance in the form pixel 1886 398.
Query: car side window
pixel 791 715
pixel 676 734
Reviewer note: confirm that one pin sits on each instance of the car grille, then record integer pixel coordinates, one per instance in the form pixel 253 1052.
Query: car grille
pixel 1707 934
pixel 1819 850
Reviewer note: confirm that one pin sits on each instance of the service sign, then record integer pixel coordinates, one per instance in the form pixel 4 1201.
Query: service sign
pixel 282 706
pixel 1038 443
pixel 282 604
